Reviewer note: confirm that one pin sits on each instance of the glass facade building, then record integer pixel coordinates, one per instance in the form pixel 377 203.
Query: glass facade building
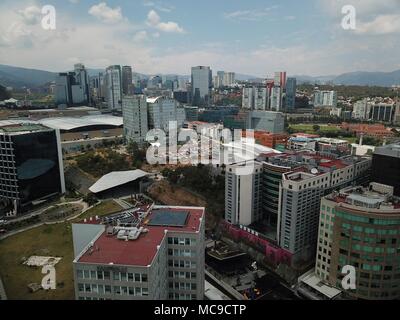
pixel 31 166
pixel 361 228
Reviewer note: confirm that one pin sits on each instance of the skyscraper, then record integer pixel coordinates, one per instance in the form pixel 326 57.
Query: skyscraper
pixel 134 112
pixel 290 94
pixel 162 110
pixel 127 86
pixel 300 195
pixel 114 88
pixel 72 88
pixel 201 85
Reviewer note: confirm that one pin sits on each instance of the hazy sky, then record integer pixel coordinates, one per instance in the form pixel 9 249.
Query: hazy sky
pixel 255 37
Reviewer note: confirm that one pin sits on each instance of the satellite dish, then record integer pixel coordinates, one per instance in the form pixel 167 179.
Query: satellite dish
pixel 314 170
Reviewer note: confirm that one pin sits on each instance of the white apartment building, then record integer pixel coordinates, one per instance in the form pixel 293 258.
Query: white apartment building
pixel 255 98
pixel 243 193
pixel 325 98
pixel 276 98
pixel 229 79
pixel 361 110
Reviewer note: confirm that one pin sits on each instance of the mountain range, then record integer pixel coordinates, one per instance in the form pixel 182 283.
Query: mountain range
pixel 17 77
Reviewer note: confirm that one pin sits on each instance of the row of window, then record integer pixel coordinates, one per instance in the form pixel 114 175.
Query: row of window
pixel 182 241
pixel 182 275
pixel 182 253
pixel 106 275
pixel 106 289
pixel 182 296
pixel 182 286
pixel 182 264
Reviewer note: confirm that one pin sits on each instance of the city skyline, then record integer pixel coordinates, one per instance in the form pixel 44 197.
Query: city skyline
pixel 252 37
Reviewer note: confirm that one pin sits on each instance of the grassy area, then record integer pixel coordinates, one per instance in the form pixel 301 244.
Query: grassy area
pixel 51 240
pixel 309 128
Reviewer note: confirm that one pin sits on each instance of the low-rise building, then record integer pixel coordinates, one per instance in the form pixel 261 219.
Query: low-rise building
pixel 145 253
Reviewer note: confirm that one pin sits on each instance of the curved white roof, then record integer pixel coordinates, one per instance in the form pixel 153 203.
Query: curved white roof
pixel 153 99
pixel 70 123
pixel 116 178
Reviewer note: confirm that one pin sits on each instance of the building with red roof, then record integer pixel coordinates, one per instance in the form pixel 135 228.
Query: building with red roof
pixel 152 252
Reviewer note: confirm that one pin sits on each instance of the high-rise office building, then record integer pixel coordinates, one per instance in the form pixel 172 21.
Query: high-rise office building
pixel 242 194
pixel 201 85
pixel 156 254
pixel 290 96
pixel 300 196
pixel 360 227
pixel 382 112
pixel 161 111
pixel 386 166
pixel 280 79
pixel 72 88
pixel 134 112
pixel 113 92
pixel 127 85
pixel 276 99
pixel 31 168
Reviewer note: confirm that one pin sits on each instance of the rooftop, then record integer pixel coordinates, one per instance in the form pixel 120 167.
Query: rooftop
pixel 376 196
pixel 108 249
pixel 69 123
pixel 22 128
pixel 391 150
pixel 115 179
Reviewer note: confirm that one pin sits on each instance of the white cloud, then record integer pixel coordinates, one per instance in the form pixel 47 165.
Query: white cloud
pixel 140 36
pixel 30 15
pixel 249 15
pixel 106 14
pixel 159 6
pixel 154 20
pixel 382 24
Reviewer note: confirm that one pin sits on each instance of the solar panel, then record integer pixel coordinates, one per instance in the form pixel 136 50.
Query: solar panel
pixel 168 218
